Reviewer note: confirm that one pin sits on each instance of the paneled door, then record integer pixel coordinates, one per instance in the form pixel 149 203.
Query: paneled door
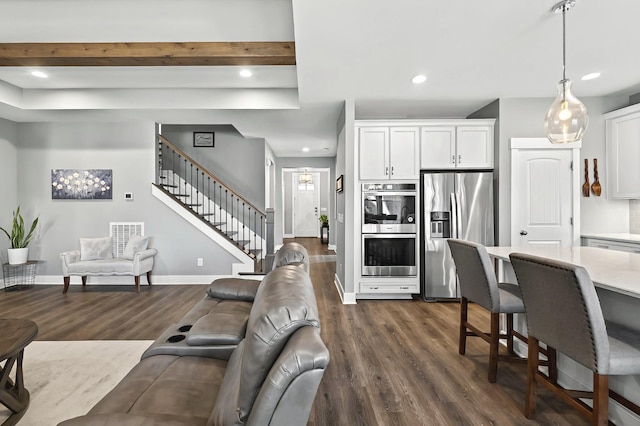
pixel 541 197
pixel 306 203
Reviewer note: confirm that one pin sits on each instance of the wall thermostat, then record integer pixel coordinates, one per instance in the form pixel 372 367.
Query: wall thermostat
pixel 128 196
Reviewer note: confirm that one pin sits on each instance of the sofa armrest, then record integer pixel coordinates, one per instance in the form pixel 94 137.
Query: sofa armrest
pixel 67 258
pixel 234 289
pixel 144 254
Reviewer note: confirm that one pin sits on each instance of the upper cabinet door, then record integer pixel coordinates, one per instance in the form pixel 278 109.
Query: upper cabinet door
pixel 437 147
pixel 374 152
pixel 403 150
pixel 474 147
pixel 623 156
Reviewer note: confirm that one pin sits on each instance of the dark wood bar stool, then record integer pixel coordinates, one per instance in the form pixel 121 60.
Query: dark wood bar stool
pixel 15 335
pixel 563 310
pixel 478 284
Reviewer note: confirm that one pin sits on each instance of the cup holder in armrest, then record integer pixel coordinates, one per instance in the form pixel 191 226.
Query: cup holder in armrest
pixel 175 339
pixel 185 328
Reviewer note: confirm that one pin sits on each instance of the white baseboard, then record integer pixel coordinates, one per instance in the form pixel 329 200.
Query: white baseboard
pixel 347 298
pixel 332 247
pixel 126 279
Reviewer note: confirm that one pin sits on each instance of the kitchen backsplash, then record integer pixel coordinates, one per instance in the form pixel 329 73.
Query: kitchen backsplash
pixel 634 216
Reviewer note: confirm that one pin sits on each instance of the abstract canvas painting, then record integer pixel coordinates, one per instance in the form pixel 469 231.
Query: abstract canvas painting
pixel 79 184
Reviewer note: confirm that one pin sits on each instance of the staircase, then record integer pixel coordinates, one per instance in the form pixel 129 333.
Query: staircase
pixel 214 204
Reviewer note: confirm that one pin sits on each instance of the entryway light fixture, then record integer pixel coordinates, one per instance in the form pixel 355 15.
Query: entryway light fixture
pixel 567 118
pixel 305 177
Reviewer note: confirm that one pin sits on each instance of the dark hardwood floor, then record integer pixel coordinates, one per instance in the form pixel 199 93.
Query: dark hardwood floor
pixel 392 362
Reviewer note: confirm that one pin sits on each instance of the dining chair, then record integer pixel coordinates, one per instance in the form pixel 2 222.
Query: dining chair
pixel 563 311
pixel 478 284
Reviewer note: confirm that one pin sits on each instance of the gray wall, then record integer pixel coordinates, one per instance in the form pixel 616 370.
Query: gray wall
pixel 9 180
pixel 284 189
pixel 128 149
pixel 523 118
pixel 237 161
pixel 340 232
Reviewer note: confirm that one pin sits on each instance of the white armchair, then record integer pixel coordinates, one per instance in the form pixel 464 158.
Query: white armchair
pixel 95 258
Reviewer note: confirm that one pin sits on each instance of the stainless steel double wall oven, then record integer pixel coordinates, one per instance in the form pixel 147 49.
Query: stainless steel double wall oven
pixel 389 230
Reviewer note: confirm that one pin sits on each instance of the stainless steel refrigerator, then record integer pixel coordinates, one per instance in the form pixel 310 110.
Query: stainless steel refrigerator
pixel 454 205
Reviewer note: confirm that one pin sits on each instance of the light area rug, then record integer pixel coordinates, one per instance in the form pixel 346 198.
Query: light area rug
pixel 66 379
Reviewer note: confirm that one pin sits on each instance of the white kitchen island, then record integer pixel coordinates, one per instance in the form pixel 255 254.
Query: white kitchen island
pixel 616 276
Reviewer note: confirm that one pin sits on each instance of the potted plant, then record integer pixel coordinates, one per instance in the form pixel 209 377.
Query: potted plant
pixel 324 220
pixel 19 238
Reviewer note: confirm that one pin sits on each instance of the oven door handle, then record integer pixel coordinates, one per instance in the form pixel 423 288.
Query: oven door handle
pixel 454 216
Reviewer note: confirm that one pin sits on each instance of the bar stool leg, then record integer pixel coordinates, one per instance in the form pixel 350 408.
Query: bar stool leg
pixel 600 400
pixel 462 343
pixel 510 334
pixel 494 342
pixel 532 371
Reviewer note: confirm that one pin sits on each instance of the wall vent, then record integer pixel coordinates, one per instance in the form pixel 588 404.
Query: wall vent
pixel 121 231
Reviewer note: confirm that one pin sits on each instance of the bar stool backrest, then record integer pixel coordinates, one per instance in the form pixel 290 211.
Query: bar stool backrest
pixel 477 279
pixel 563 309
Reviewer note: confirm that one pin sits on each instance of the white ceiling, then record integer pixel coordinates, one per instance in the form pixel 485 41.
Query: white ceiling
pixel 367 51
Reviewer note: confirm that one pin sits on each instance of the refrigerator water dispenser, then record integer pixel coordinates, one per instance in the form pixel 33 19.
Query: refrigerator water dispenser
pixel 440 225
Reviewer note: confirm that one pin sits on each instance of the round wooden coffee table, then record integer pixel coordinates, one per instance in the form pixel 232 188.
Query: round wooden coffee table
pixel 16 335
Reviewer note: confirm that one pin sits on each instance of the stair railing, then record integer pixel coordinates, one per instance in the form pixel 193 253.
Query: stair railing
pixel 214 202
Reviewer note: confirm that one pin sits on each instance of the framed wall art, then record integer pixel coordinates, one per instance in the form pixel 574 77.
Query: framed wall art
pixel 203 139
pixel 81 184
pixel 339 184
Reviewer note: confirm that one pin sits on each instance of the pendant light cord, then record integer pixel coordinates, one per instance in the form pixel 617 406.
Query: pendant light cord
pixel 564 44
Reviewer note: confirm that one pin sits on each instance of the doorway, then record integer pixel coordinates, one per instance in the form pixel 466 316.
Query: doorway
pixel 306 204
pixel 544 204
pixel 289 188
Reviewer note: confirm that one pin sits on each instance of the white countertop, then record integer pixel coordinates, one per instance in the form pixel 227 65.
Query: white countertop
pixel 613 270
pixel 618 236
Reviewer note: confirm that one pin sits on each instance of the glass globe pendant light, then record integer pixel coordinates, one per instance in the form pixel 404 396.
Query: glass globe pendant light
pixel 567 118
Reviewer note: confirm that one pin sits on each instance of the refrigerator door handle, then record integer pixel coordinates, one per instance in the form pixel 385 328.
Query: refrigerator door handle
pixel 454 216
pixel 458 216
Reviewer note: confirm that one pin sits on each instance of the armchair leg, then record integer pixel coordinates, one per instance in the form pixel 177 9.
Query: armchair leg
pixel 149 277
pixel 84 280
pixel 137 281
pixel 67 280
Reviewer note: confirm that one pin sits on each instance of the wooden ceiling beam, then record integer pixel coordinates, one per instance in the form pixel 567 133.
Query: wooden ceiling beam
pixel 147 54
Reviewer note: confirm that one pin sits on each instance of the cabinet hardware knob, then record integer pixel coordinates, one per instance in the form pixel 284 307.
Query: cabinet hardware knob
pixel 459 158
pixel 386 170
pixel 453 159
pixel 523 232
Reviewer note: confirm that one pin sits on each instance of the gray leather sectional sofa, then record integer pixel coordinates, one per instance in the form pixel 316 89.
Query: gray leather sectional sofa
pixel 251 356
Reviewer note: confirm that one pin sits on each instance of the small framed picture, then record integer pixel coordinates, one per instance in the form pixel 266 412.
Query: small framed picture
pixel 339 183
pixel 203 139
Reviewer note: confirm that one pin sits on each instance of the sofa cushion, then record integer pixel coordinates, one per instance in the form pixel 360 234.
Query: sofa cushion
pixel 285 301
pixel 102 267
pixel 135 244
pixel 218 328
pixel 234 288
pixel 96 248
pixel 167 385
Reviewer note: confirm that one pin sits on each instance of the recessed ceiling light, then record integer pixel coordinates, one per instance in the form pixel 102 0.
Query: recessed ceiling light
pixel 419 79
pixel 39 74
pixel 245 73
pixel 305 149
pixel 590 76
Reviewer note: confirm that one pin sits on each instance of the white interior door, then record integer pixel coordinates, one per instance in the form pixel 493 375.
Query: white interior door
pixel 306 205
pixel 541 197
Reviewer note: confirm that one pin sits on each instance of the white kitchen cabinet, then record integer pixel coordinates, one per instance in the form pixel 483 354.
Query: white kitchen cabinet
pixel 626 246
pixel 388 153
pixel 623 153
pixel 393 288
pixel 461 146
